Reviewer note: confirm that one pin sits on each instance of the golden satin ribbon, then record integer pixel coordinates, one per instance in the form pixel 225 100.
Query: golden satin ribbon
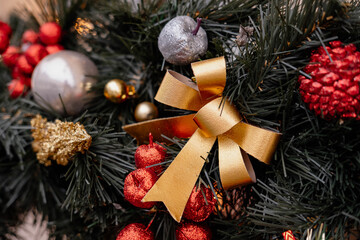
pixel 215 119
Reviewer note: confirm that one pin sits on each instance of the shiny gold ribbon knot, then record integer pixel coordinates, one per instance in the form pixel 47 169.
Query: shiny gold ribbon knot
pixel 215 119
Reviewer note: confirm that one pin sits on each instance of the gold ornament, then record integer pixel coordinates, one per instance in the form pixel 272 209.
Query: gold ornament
pixel 117 91
pixel 58 141
pixel 145 111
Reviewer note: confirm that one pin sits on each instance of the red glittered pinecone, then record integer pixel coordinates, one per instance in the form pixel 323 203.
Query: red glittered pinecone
pixel 333 90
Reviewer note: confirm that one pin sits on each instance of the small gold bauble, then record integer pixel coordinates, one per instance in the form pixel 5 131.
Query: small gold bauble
pixel 145 111
pixel 117 91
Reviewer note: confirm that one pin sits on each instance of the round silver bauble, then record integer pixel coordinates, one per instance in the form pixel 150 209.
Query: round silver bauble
pixel 178 43
pixel 61 82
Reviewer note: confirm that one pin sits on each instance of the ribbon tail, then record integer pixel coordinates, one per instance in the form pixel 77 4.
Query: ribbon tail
pixel 259 143
pixel 182 127
pixel 174 187
pixel 234 164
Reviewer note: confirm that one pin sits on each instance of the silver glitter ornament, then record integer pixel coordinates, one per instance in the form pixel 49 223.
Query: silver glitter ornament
pixel 179 41
pixel 66 74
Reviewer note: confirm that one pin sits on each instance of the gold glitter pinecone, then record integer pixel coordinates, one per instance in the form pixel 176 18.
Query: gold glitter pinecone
pixel 233 203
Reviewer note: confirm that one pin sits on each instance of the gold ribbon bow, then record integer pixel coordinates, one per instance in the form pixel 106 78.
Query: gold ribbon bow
pixel 215 119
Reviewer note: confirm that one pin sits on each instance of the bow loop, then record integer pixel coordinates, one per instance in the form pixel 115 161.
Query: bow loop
pixel 210 77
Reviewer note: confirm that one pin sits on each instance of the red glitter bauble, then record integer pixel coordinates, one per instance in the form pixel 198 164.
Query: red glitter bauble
pixel 30 36
pixel 16 88
pixel 5 28
pixel 135 231
pixel 10 56
pixel 147 155
pixel 50 33
pixel 24 66
pixel 136 186
pixel 4 42
pixel 54 48
pixel 35 53
pixel 333 90
pixel 193 231
pixel 196 208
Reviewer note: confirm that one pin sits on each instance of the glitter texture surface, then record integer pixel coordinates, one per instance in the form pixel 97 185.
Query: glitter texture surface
pixel 136 186
pixel 196 208
pixel 135 231
pixel 193 231
pixel 177 43
pixel 58 141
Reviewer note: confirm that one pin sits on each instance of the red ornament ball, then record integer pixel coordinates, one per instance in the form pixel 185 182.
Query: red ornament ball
pixel 147 155
pixel 193 231
pixel 16 88
pixel 4 42
pixel 136 186
pixel 35 53
pixel 50 33
pixel 24 66
pixel 333 90
pixel 22 77
pixel 196 208
pixel 6 29
pixel 10 56
pixel 54 48
pixel 135 231
pixel 30 36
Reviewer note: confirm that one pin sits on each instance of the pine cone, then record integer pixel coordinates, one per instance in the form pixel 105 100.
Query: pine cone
pixel 233 203
pixel 333 90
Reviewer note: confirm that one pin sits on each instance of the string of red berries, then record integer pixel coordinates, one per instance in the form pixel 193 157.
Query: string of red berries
pixel 22 60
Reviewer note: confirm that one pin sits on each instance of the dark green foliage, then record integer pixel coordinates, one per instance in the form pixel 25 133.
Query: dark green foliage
pixel 313 179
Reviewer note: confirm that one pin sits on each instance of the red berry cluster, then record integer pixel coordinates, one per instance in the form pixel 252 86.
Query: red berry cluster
pixel 333 89
pixel 22 61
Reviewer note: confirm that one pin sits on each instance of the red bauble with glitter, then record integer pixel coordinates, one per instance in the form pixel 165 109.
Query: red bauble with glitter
pixel 333 90
pixel 50 33
pixel 35 53
pixel 16 88
pixel 4 42
pixel 147 155
pixel 193 231
pixel 136 186
pixel 197 208
pixel 54 48
pixel 135 231
pixel 30 36
pixel 10 56
pixel 24 66
pixel 6 29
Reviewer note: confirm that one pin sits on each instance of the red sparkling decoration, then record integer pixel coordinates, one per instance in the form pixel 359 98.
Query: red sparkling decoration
pixel 333 90
pixel 196 208
pixel 54 48
pixel 50 33
pixel 147 155
pixel 136 186
pixel 4 42
pixel 16 88
pixel 6 29
pixel 135 231
pixel 193 231
pixel 24 66
pixel 35 53
pixel 30 36
pixel 10 56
